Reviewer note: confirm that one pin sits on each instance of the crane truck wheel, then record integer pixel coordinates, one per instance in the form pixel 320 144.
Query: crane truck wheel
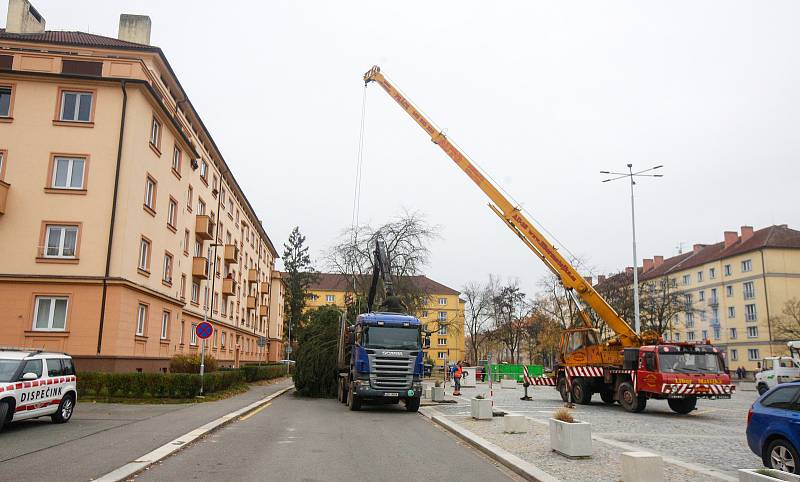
pixel 607 396
pixel 353 401
pixel 682 405
pixel 562 389
pixel 341 391
pixel 581 393
pixel 412 404
pixel 629 400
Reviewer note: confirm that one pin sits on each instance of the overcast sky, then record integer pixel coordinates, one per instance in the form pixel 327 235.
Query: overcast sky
pixel 542 94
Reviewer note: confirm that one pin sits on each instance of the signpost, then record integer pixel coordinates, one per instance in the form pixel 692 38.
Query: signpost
pixel 203 330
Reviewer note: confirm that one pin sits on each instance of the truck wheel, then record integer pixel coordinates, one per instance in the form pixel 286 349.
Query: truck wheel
pixel 3 414
pixel 682 405
pixel 762 388
pixel 353 402
pixel 581 393
pixel 412 404
pixel 562 388
pixel 628 398
pixel 607 396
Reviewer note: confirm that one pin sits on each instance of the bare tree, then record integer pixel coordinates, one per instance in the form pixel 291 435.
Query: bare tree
pixel 477 313
pixel 510 309
pixel 787 325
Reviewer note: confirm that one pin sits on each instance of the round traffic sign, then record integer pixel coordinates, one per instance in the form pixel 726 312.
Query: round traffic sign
pixel 204 330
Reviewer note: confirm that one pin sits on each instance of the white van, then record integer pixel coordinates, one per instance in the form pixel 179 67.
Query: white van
pixel 775 370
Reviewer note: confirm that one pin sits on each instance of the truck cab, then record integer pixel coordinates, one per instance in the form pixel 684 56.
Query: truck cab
pixel 775 370
pixel 385 362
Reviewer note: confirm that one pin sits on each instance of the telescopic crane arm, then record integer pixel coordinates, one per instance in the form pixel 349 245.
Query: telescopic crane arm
pixel 515 219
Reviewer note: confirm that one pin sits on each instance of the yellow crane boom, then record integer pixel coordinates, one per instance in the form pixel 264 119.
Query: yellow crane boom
pixel 515 219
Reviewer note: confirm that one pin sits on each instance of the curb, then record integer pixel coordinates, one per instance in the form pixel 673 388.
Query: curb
pixel 169 448
pixel 525 469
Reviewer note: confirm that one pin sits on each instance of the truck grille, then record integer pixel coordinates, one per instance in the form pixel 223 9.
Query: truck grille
pixel 391 372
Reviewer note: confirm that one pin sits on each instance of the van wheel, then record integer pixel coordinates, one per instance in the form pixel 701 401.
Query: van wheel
pixel 628 398
pixel 65 409
pixel 762 389
pixel 3 414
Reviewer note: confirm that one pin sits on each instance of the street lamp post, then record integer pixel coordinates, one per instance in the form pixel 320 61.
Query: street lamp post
pixel 630 175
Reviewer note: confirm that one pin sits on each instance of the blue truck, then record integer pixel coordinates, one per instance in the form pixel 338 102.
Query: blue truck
pixel 380 357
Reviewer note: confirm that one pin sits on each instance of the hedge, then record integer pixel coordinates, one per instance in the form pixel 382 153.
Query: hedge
pixel 170 385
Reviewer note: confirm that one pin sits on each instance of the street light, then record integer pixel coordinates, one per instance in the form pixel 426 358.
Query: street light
pixel 630 175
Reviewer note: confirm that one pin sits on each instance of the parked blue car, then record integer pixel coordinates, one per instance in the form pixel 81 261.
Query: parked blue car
pixel 773 427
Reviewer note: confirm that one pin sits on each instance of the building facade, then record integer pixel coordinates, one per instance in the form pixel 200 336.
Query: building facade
pixel 443 315
pixel 733 292
pixel 122 227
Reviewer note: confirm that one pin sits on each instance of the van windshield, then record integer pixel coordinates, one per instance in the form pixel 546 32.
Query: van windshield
pixel 391 337
pixel 7 370
pixel 690 362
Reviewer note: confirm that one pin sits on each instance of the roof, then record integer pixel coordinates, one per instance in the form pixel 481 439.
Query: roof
pixel 778 236
pixel 20 354
pixel 389 318
pixel 340 282
pixel 78 39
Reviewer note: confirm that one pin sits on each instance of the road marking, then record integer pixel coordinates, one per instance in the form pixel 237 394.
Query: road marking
pixel 254 412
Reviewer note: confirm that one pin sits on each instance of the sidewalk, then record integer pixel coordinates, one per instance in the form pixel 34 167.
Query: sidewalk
pixel 113 433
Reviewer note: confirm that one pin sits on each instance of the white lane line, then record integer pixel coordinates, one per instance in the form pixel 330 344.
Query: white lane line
pixel 168 448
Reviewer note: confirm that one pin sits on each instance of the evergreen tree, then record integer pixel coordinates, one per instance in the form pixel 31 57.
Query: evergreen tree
pixel 299 276
pixel 315 373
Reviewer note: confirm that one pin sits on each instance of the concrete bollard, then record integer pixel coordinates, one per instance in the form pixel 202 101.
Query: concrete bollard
pixel 508 383
pixel 514 423
pixel 642 467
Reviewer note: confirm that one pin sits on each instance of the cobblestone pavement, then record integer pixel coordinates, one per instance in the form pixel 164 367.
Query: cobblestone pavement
pixel 711 437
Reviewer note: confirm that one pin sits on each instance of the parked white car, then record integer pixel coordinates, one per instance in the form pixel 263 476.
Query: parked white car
pixel 779 369
pixel 36 384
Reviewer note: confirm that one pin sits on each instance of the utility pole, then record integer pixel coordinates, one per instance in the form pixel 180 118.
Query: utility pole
pixel 630 175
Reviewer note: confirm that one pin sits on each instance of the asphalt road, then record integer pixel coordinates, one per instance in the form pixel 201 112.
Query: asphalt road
pixel 310 439
pixel 102 437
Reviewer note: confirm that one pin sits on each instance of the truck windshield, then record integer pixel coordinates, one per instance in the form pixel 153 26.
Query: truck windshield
pixel 391 337
pixel 690 363
pixel 7 370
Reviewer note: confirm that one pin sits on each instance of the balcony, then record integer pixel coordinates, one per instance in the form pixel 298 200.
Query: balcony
pixel 204 227
pixel 231 253
pixel 713 302
pixel 4 187
pixel 265 286
pixel 252 275
pixel 199 268
pixel 263 310
pixel 251 302
pixel 228 287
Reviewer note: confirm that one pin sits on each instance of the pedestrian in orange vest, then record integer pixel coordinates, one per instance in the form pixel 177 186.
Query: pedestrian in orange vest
pixel 457 378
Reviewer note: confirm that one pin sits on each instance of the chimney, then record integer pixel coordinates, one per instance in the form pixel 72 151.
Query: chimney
pixel 747 233
pixel 629 270
pixel 657 261
pixel 730 238
pixel 601 278
pixel 647 265
pixel 588 280
pixel 697 247
pixel 134 28
pixel 23 18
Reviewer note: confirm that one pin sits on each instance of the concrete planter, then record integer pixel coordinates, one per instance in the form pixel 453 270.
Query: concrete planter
pixel 642 467
pixel 753 475
pixel 481 408
pixel 514 423
pixel 437 394
pixel 573 440
pixel 428 393
pixel 507 383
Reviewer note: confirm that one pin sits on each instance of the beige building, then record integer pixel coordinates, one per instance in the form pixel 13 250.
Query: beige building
pixel 443 315
pixel 112 195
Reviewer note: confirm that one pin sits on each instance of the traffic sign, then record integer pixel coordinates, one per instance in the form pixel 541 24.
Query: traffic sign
pixel 262 341
pixel 204 330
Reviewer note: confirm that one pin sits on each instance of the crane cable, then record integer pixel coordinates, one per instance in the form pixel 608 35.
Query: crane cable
pixel 357 188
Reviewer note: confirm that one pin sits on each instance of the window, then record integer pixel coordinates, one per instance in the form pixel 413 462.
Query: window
pixel 750 312
pixel 729 291
pixel 60 241
pixel 2 160
pixel 731 312
pixel 713 300
pixel 716 332
pixel 749 290
pixel 214 183
pixel 204 170
pixel 442 316
pixel 201 206
pixel 677 336
pixel 690 320
pixel 442 301
pixel 224 309
pixel 183 286
pixel 714 315
pixel 222 341
pixel 687 279
pixel 193 335
pixel 186 242
pixel 440 355
pixel 781 398
pixel 712 273
pixel 442 341
pixel 747 265
pixel 76 106
pixel 699 276
pixel 701 295
pixel 703 316
pixel 50 313
pixel 443 330
pixel 165 316
pixel 689 336
pixel 5 101
pixel 167 268
pixel 144 254
pixel 704 335
pixel 734 354
pixel 55 368
pixel 198 249
pixel 752 332
pixel 688 300
pixel 141 319
pixel 177 156
pixel 330 298
pixel 150 193
pixel 68 173
pixel 424 313
pixel 215 339
pixel 33 366
pixel 183 330
pixel 733 333
pixel 172 210
pixel 727 270
pixel 195 292
pixel 753 354
pixel 155 133
pixel 189 197
pixel 222 197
